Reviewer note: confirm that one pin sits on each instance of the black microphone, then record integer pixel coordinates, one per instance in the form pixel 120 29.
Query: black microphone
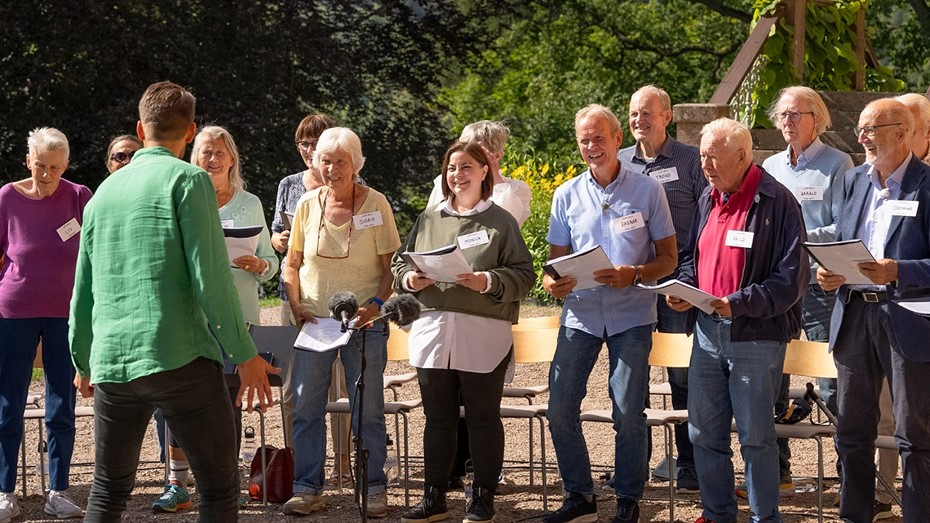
pixel 402 309
pixel 343 306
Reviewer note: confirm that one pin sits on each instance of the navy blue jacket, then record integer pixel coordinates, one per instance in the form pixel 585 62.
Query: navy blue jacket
pixel 767 305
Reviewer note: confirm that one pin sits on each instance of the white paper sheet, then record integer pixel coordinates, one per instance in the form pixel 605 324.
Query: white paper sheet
pixel 442 264
pixel 842 258
pixel 324 335
pixel 580 266
pixel 241 241
pixel 690 294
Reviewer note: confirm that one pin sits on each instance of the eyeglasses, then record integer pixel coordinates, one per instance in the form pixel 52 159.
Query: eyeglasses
pixel 121 157
pixel 794 116
pixel 306 145
pixel 331 240
pixel 870 130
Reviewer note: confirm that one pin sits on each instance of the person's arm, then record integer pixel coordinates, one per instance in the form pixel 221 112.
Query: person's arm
pixel 81 335
pixel 560 288
pixel 369 310
pixel 291 278
pixel 515 277
pixel 662 265
pixel 827 233
pixel 279 236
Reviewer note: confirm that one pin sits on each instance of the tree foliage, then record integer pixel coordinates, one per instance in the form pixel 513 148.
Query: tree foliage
pixel 257 67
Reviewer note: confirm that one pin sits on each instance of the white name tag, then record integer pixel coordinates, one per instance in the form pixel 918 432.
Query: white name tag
pixel 665 175
pixel 227 224
pixel 739 239
pixel 69 229
pixel 902 207
pixel 367 220
pixel 473 240
pixel 809 194
pixel 629 222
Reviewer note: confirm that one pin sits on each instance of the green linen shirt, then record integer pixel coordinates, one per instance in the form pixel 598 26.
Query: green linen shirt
pixel 152 272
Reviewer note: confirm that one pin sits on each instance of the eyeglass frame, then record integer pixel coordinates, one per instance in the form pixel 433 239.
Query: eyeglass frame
pixel 306 145
pixel 794 116
pixel 870 130
pixel 127 157
pixel 320 228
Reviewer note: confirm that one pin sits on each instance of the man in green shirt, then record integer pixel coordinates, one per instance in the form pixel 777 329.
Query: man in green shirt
pixel 154 311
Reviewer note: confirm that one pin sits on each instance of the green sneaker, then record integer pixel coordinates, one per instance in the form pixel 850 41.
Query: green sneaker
pixel 174 498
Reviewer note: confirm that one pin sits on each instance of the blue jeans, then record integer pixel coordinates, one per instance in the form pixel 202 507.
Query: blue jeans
pixel 575 355
pixel 734 379
pixel 19 339
pixel 195 403
pixel 677 322
pixel 311 377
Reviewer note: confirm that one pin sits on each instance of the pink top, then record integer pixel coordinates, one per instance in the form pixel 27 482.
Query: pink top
pixel 38 274
pixel 720 266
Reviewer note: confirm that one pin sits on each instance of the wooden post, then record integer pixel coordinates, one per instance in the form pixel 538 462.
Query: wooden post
pixel 799 20
pixel 859 80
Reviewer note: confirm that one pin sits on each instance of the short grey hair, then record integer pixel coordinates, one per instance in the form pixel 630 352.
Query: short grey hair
pixel 600 110
pixel 822 120
pixel 340 139
pixel 735 135
pixel 215 132
pixel 47 139
pixel 492 135
pixel 665 101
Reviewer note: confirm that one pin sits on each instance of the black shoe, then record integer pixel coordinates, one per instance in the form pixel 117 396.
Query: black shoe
pixel 881 510
pixel 686 481
pixel 481 506
pixel 575 509
pixel 627 511
pixel 431 508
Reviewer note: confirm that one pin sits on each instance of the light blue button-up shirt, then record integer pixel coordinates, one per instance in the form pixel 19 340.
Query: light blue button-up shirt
pixel 583 216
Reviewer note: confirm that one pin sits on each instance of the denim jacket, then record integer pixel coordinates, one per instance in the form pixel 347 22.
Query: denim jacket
pixel 767 305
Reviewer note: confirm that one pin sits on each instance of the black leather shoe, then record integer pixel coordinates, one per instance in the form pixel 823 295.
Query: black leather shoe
pixel 431 508
pixel 627 511
pixel 481 506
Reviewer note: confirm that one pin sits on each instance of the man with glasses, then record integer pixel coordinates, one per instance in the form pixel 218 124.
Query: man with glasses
pixel 813 171
pixel 887 205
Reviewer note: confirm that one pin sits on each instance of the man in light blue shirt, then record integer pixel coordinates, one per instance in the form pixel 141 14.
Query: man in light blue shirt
pixel 814 173
pixel 627 214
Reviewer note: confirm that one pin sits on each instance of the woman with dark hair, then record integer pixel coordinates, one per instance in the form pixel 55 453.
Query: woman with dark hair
pixel 120 151
pixel 462 342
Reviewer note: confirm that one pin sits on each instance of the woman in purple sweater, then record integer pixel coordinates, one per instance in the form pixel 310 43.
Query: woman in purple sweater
pixel 40 224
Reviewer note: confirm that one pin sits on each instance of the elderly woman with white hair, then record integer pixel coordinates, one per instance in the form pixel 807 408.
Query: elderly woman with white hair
pixel 40 227
pixel 342 238
pixel 813 171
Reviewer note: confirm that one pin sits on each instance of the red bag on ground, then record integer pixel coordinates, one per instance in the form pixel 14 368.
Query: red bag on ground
pixel 279 473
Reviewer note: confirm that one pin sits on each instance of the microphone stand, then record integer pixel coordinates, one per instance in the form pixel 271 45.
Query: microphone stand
pixel 361 454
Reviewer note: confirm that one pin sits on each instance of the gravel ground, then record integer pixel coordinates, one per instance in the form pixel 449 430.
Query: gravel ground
pixel 516 500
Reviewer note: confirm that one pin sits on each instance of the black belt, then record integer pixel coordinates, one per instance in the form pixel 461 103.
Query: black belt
pixel 868 296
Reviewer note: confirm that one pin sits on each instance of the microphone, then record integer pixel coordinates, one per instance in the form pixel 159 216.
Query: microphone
pixel 402 309
pixel 343 306
pixel 885 193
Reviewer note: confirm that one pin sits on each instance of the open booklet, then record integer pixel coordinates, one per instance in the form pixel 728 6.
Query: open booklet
pixel 690 294
pixel 287 219
pixel 579 265
pixel 324 335
pixel 842 258
pixel 442 264
pixel 241 241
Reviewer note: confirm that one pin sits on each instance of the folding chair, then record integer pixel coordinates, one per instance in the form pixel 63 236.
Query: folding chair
pixel 530 392
pixel 668 350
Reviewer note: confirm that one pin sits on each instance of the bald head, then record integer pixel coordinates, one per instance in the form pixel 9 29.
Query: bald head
pixel 886 126
pixel 919 106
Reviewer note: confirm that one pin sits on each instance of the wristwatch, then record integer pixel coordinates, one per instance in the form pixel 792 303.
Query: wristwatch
pixel 638 277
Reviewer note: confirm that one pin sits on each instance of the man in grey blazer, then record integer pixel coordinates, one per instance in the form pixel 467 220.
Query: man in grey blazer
pixel 887 205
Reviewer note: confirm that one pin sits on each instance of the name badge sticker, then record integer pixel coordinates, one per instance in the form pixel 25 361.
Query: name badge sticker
pixel 809 193
pixel 473 240
pixel 227 224
pixel 742 239
pixel 628 223
pixel 664 175
pixel 902 207
pixel 368 220
pixel 69 229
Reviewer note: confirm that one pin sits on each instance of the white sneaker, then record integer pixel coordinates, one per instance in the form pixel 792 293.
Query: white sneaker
pixel 378 505
pixel 61 506
pixel 9 507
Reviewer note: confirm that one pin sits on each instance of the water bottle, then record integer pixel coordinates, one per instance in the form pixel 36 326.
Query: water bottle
pixel 42 465
pixel 248 446
pixel 391 468
pixel 469 481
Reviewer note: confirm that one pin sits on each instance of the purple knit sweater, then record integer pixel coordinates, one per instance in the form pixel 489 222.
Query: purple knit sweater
pixel 38 275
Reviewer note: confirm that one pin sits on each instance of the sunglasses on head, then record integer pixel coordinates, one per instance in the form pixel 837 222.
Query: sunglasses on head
pixel 121 157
